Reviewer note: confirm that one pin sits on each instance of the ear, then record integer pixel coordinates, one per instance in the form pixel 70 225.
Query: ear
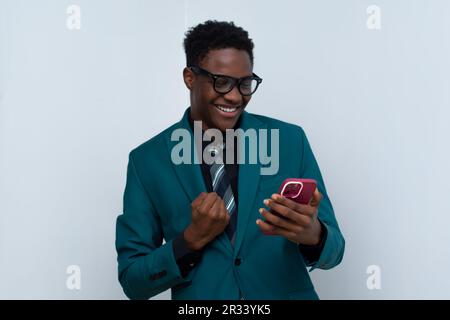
pixel 189 78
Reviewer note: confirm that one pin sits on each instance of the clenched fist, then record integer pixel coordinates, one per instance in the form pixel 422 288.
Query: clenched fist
pixel 209 219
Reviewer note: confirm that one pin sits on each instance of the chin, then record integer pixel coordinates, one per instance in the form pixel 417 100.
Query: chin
pixel 223 125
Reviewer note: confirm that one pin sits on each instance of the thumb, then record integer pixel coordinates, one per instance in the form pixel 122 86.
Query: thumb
pixel 316 198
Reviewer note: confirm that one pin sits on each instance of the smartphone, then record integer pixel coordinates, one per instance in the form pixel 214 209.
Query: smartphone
pixel 298 190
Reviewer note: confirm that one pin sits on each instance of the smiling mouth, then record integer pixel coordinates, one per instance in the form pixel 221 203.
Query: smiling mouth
pixel 226 109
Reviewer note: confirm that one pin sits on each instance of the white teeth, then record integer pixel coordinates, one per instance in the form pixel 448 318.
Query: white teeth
pixel 226 109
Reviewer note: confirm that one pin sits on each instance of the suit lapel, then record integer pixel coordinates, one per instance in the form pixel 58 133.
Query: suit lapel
pixel 248 180
pixel 190 175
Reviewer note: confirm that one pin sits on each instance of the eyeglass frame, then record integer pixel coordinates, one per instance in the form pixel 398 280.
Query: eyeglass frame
pixel 236 81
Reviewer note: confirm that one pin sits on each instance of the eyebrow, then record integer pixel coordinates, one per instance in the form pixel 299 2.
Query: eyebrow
pixel 225 75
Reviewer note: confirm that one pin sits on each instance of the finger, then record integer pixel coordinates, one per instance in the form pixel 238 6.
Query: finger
pixel 197 201
pixel 279 222
pixel 294 206
pixel 225 211
pixel 298 207
pixel 298 217
pixel 208 202
pixel 265 227
pixel 316 198
pixel 221 203
pixel 217 209
pixel 269 229
pixel 220 206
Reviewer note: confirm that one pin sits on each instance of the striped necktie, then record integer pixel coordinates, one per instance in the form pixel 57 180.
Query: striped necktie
pixel 222 186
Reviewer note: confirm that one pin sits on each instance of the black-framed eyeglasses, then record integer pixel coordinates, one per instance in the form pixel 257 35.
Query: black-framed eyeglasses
pixel 223 84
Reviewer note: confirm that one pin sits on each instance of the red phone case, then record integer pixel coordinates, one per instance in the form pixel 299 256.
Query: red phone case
pixel 298 190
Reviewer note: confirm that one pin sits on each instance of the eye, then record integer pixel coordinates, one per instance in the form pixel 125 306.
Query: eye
pixel 222 82
pixel 248 85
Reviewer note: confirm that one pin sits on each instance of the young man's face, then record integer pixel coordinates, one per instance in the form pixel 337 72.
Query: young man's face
pixel 205 100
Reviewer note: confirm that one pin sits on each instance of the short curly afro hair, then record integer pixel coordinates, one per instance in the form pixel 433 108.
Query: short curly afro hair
pixel 212 35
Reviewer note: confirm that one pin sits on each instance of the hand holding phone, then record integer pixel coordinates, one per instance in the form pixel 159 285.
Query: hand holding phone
pixel 298 190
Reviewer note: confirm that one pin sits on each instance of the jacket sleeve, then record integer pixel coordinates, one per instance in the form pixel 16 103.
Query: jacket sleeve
pixel 146 267
pixel 333 250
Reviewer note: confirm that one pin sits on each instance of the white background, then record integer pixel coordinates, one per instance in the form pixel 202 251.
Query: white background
pixel 374 104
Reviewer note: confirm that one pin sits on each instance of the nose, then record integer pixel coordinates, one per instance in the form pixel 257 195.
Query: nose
pixel 234 97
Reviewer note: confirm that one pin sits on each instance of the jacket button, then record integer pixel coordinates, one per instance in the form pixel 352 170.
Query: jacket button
pixel 237 261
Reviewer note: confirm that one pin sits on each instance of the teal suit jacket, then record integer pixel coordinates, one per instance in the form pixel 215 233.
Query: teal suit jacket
pixel 156 208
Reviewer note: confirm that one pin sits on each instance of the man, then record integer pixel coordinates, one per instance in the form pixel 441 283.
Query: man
pixel 228 234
